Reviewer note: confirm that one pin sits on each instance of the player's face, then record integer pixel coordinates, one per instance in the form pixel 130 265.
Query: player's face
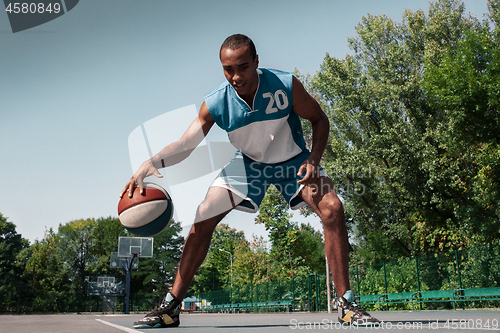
pixel 240 70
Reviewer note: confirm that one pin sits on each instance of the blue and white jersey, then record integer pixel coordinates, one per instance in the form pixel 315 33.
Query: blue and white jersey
pixel 270 132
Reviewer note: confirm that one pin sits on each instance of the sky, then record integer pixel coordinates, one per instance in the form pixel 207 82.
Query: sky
pixel 73 90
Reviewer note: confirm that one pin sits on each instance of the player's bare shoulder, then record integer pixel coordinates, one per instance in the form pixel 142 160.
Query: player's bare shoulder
pixel 303 103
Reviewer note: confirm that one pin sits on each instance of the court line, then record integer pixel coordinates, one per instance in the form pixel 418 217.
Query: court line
pixel 123 328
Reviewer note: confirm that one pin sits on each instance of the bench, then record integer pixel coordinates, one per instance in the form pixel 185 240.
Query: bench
pixel 287 305
pixel 453 296
pixel 478 294
pixel 370 299
pixel 436 296
pixel 403 297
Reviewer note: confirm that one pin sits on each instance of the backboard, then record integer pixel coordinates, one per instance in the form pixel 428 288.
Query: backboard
pixel 105 285
pixel 122 262
pixel 105 281
pixel 135 247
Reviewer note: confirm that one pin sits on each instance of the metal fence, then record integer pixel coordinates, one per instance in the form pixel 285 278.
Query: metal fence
pixel 460 269
pixel 473 268
pixel 302 293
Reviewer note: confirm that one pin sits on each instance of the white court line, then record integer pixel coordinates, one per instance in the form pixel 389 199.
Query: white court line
pixel 125 329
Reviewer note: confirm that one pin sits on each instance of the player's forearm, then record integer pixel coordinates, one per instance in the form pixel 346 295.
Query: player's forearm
pixel 320 131
pixel 173 154
pixel 181 149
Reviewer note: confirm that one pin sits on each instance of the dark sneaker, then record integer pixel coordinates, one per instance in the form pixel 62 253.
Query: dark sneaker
pixel 350 312
pixel 167 315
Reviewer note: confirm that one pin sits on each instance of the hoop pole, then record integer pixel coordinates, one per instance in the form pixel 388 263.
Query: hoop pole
pixel 127 285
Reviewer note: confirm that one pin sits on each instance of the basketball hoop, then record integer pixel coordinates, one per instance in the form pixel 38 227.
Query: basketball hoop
pixel 130 248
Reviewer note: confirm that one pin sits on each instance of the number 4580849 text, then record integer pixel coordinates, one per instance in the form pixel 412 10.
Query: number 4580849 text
pixel 25 8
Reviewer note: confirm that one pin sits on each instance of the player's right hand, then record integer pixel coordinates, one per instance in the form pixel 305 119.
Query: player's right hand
pixel 145 170
pixel 128 188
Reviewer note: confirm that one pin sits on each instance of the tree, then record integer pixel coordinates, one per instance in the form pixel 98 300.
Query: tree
pixel 390 153
pixel 273 213
pixel 26 293
pixel 51 275
pixel 156 273
pixel 462 83
pixel 215 272
pixel 296 249
pixel 105 231
pixel 76 238
pixel 310 245
pixel 251 262
pixel 86 245
pixel 11 284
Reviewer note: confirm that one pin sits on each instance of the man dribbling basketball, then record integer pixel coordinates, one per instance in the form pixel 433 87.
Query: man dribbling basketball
pixel 260 109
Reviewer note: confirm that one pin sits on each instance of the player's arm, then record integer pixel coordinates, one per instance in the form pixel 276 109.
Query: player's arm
pixel 308 108
pixel 174 152
pixel 181 149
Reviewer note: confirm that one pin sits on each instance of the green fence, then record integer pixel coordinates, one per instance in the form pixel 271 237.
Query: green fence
pixel 453 271
pixel 302 293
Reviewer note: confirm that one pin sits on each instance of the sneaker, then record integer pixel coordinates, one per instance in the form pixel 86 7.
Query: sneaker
pixel 167 315
pixel 350 312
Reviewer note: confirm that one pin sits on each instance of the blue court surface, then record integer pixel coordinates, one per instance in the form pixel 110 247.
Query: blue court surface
pixel 392 321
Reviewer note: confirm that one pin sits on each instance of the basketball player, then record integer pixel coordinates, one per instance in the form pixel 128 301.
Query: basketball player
pixel 260 109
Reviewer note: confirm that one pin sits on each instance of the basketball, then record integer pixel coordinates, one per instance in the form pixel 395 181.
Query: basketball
pixel 146 214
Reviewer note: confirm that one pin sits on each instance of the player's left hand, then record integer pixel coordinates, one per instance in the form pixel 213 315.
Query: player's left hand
pixel 311 170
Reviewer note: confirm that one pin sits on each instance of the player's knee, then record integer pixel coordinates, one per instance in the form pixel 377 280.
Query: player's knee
pixel 332 212
pixel 205 211
pixel 210 210
pixel 205 222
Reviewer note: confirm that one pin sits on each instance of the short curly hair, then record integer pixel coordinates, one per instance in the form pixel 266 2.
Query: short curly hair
pixel 236 41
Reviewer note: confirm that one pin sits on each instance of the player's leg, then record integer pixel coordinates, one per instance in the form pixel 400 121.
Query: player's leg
pixel 233 186
pixel 217 204
pixel 321 197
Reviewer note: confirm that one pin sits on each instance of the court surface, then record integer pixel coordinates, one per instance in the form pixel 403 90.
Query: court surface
pixel 392 321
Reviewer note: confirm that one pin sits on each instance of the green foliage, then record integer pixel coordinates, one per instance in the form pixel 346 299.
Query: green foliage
pixel 105 231
pixel 374 247
pixel 11 283
pixel 296 250
pixel 215 272
pixel 463 85
pixel 413 144
pixel 87 245
pixel 251 262
pixel 58 264
pixel 282 231
pixel 155 274
pixel 51 274
pixel 480 266
pixel 310 246
pixel 476 267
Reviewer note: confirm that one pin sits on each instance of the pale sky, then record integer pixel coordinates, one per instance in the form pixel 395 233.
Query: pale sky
pixel 73 89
